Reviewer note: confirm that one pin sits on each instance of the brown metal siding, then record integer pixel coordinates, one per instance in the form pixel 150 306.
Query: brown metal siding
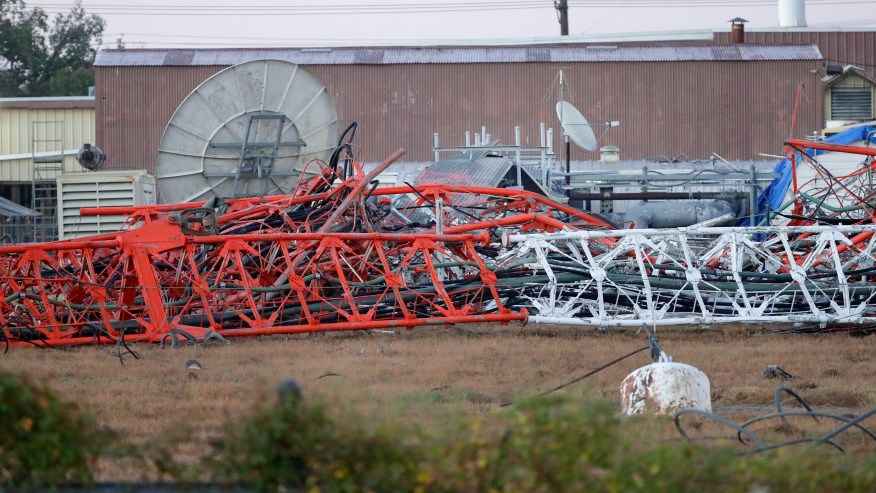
pixel 846 47
pixel 736 109
pixel 133 104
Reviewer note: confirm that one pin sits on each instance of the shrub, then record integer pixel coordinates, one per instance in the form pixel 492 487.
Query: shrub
pixel 295 445
pixel 539 446
pixel 44 441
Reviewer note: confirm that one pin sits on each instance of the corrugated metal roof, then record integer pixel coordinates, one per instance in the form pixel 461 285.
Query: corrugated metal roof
pixel 485 171
pixel 55 102
pixel 429 55
pixel 47 98
pixel 9 208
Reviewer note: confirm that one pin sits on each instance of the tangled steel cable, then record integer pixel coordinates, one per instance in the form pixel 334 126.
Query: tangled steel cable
pixel 748 437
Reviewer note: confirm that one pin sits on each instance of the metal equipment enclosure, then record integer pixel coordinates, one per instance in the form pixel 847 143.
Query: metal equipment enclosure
pixel 100 189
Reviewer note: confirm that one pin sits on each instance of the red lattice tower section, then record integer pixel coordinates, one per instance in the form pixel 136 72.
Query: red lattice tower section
pixel 327 257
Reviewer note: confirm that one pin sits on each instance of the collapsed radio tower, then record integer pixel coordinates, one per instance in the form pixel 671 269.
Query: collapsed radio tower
pixel 322 248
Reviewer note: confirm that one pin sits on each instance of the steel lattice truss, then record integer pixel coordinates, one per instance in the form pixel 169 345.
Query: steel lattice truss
pixel 815 274
pixel 341 254
pixel 831 198
pixel 327 257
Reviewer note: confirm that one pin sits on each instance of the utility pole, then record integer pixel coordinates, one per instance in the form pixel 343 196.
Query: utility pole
pixel 562 7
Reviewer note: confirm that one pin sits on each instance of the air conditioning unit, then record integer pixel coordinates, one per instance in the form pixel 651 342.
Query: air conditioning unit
pixel 100 189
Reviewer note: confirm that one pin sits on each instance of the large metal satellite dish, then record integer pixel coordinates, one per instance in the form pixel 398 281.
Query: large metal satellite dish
pixel 576 126
pixel 247 130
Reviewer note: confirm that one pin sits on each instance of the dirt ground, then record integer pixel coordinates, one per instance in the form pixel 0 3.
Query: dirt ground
pixel 432 374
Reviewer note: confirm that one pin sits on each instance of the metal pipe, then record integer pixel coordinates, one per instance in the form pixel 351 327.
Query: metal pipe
pixel 752 198
pixel 357 189
pixel 716 231
pixel 824 146
pixel 693 320
pixel 574 194
pixel 436 144
pixel 550 140
pixel 517 142
pixel 568 166
pixel 253 237
pixel 714 221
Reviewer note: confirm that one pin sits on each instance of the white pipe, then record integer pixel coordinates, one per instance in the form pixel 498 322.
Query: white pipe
pixel 694 320
pixel 614 233
pixel 715 220
pixel 29 155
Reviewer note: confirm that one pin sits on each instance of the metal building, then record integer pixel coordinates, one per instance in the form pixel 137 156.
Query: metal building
pixel 844 47
pixel 39 138
pixel 671 100
pixel 41 128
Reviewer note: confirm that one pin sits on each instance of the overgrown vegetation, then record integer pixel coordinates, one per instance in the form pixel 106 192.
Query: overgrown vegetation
pixel 45 441
pixel 539 446
pixel 297 445
pixel 535 446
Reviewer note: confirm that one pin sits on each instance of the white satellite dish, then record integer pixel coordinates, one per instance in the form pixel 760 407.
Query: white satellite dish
pixel 248 130
pixel 576 126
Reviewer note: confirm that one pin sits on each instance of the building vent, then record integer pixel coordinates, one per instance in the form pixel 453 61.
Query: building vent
pixel 851 103
pixel 737 30
pixel 609 153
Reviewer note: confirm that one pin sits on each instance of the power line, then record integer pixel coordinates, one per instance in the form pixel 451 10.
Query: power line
pixel 274 9
pixel 286 9
pixel 415 5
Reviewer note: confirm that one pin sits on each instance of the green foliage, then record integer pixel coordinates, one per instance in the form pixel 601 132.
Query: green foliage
pixel 43 58
pixel 297 446
pixel 542 445
pixel 539 446
pixel 44 441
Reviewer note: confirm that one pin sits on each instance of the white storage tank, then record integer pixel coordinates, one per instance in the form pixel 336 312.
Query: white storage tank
pixel 792 13
pixel 100 189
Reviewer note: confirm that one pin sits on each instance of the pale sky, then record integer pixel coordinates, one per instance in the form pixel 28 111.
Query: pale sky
pixel 204 23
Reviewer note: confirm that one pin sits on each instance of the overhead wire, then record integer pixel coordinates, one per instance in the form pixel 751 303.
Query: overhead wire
pixel 285 9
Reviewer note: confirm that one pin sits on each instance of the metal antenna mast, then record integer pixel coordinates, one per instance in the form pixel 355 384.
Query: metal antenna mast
pixel 566 139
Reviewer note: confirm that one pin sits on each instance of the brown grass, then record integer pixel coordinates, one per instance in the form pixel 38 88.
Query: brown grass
pixel 429 375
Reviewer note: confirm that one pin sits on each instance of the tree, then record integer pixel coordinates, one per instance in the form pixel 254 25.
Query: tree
pixel 43 58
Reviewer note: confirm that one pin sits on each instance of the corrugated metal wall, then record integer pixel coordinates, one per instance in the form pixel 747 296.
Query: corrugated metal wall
pixel 736 109
pixel 845 47
pixel 73 126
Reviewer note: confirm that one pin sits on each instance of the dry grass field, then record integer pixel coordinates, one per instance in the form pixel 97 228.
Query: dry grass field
pixel 428 376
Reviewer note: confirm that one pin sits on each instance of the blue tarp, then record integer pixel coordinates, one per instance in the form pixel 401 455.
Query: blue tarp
pixel 773 196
